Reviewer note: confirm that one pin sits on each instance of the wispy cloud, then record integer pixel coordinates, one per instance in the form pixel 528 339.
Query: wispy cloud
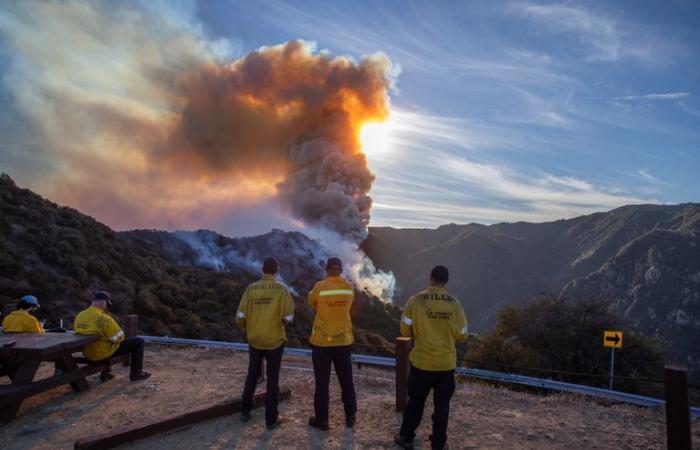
pixel 646 175
pixel 440 173
pixel 667 96
pixel 604 38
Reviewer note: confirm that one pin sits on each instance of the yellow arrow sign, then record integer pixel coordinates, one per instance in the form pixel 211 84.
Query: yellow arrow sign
pixel 612 339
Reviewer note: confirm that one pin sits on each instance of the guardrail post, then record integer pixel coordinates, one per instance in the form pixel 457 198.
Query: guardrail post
pixel 402 348
pixel 131 325
pixel 677 408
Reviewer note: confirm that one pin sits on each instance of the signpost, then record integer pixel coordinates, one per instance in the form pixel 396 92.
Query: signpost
pixel 612 339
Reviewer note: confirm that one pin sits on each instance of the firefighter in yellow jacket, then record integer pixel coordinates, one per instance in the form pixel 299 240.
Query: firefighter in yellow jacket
pixel 331 337
pixel 21 320
pixel 436 321
pixel 95 321
pixel 264 309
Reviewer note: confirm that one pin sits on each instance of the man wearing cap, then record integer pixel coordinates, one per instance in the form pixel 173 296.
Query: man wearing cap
pixel 95 321
pixel 436 321
pixel 264 309
pixel 331 337
pixel 21 320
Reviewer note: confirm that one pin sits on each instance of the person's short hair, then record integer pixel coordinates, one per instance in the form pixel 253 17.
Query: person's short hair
pixel 334 263
pixel 270 265
pixel 440 274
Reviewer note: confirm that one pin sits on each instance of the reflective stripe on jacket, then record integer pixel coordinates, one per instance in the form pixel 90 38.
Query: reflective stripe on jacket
pixel 20 321
pixel 436 321
pixel 264 308
pixel 332 299
pixel 95 321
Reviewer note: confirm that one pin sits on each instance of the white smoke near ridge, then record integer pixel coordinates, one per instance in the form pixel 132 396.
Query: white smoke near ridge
pixel 302 259
pixel 221 258
pixel 357 266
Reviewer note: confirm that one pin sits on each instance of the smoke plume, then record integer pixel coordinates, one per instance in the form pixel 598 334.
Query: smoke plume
pixel 132 114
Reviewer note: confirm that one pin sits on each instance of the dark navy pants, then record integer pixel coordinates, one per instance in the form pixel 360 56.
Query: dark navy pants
pixel 420 382
pixel 340 357
pixel 273 360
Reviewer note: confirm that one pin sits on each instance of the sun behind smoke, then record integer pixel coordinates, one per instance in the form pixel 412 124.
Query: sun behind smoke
pixel 375 138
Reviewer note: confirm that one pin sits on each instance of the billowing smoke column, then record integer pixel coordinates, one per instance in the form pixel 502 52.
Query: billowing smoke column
pixel 284 113
pixel 133 115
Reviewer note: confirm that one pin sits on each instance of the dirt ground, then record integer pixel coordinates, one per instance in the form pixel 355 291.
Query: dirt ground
pixel 481 417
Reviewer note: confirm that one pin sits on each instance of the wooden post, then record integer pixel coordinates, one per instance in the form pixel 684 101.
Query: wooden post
pixel 402 347
pixel 131 325
pixel 677 408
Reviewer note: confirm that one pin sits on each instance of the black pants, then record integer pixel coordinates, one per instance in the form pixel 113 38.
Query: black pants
pixel 133 347
pixel 340 357
pixel 273 359
pixel 420 382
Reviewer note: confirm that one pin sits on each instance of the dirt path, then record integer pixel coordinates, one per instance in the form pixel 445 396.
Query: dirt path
pixel 481 417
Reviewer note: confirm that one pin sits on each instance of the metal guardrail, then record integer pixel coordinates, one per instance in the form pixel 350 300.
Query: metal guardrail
pixel 475 373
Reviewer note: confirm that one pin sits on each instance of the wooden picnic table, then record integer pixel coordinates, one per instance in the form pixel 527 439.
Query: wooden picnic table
pixel 21 360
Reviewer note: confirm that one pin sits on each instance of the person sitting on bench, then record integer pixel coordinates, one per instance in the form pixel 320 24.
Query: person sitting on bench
pixel 21 320
pixel 95 320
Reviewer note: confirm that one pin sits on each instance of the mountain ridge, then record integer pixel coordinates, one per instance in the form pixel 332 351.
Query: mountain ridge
pixel 606 255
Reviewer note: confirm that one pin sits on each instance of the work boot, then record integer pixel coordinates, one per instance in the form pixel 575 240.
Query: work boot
pixel 106 376
pixel 273 425
pixel 140 376
pixel 403 442
pixel 318 424
pixel 350 420
pixel 245 417
pixel 444 447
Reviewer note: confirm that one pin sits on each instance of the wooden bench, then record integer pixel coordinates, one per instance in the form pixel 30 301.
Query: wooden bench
pixel 22 360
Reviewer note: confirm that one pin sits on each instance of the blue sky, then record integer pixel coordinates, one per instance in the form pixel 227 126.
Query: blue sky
pixel 502 111
pixel 512 110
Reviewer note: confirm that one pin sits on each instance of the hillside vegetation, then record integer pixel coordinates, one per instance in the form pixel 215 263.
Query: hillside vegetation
pixel 62 256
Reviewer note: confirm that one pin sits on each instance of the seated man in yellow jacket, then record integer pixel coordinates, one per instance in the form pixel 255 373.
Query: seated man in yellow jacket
pixel 264 309
pixel 436 321
pixel 331 337
pixel 95 320
pixel 21 320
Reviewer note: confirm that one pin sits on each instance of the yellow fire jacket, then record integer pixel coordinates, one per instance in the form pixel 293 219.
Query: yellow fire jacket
pixel 435 320
pixel 20 321
pixel 265 306
pixel 332 299
pixel 95 321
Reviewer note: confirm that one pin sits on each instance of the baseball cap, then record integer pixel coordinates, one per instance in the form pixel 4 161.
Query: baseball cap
pixel 334 263
pixel 102 295
pixel 30 299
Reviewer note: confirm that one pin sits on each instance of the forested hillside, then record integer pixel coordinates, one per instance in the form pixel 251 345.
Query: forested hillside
pixel 61 256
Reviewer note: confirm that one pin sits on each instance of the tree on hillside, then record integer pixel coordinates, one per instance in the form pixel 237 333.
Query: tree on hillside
pixel 557 334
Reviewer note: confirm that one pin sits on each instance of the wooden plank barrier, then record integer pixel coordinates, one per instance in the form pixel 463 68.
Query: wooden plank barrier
pixel 132 433
pixel 402 347
pixel 677 408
